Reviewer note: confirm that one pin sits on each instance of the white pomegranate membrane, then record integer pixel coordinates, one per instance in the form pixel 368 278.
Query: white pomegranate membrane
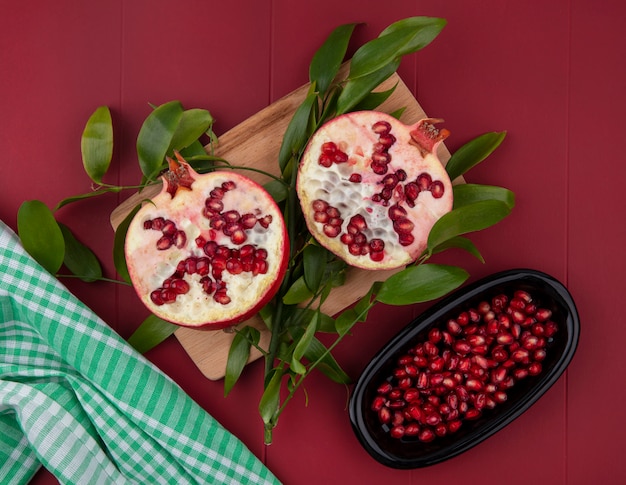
pixel 371 188
pixel 209 250
pixel 464 368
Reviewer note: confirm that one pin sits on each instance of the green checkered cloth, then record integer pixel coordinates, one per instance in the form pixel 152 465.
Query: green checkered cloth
pixel 77 399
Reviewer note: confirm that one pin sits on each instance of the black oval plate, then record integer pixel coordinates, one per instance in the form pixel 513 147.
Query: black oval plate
pixel 410 453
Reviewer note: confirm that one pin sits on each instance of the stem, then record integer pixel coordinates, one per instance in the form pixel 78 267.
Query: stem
pixel 313 365
pixel 277 323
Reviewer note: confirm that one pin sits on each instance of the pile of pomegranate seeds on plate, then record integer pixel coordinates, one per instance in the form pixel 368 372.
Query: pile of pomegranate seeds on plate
pixel 465 367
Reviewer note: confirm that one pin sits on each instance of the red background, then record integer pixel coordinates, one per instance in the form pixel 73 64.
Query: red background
pixel 550 73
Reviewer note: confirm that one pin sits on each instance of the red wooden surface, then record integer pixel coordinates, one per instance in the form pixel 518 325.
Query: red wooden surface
pixel 550 73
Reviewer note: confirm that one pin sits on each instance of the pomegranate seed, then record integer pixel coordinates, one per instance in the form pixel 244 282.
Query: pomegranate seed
pixel 520 373
pixel 411 191
pixel 505 338
pixel 498 302
pixel 207 285
pixel 454 328
pixel 165 242
pixel 378 403
pixel 473 413
pixel 384 388
pixel 381 127
pixel 423 181
pixel 534 368
pixel 265 221
pixel 168 295
pixel 463 319
pixel 523 295
pixel 462 347
pixel 180 287
pixel 229 185
pixel 331 230
pixel 405 239
pixel 379 167
pixel 454 426
pixel 238 237
pixel 500 396
pixel 397 431
pixel 426 435
pixel 319 205
pixel 435 335
pixel 155 296
pixel 397 404
pixel 329 148
pixel 325 160
pixel 543 315
pixel 550 328
pixel 411 429
pixel 384 415
pixel 396 212
pixel 355 178
pixel 437 189
pixel 221 297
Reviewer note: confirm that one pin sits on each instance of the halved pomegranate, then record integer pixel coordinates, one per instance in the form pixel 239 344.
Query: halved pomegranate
pixel 372 187
pixel 209 250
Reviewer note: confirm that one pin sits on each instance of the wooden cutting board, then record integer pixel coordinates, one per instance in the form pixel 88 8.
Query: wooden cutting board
pixel 256 143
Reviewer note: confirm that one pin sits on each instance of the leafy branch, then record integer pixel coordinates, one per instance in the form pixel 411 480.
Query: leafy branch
pixel 295 315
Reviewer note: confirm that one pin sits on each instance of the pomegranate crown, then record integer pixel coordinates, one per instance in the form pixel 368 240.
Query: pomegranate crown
pixel 178 176
pixel 426 136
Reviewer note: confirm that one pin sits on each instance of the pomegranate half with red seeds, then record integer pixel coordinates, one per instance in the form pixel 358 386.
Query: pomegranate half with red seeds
pixel 209 250
pixel 371 188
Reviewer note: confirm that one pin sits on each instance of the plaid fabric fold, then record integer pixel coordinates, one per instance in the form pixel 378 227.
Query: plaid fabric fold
pixel 77 399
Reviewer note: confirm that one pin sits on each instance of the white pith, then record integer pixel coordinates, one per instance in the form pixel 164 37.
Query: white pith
pixel 352 133
pixel 149 267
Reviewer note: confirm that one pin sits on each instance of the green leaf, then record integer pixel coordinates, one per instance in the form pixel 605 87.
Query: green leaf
pixel 394 42
pixel 346 320
pixel 238 355
pixel 79 259
pixel 303 345
pixel 465 194
pixel 96 144
pixel 192 125
pixel 297 133
pixel 297 292
pixel 41 235
pixel 328 58
pixel 468 218
pixel 418 284
pixel 277 189
pixel 88 195
pixel 473 152
pixel 152 331
pixel 327 365
pixel 358 89
pixel 314 262
pixel 326 323
pixel 195 149
pixel 155 137
pixel 363 306
pixel 460 243
pixel 414 23
pixel 374 100
pixel 119 240
pixel 270 400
